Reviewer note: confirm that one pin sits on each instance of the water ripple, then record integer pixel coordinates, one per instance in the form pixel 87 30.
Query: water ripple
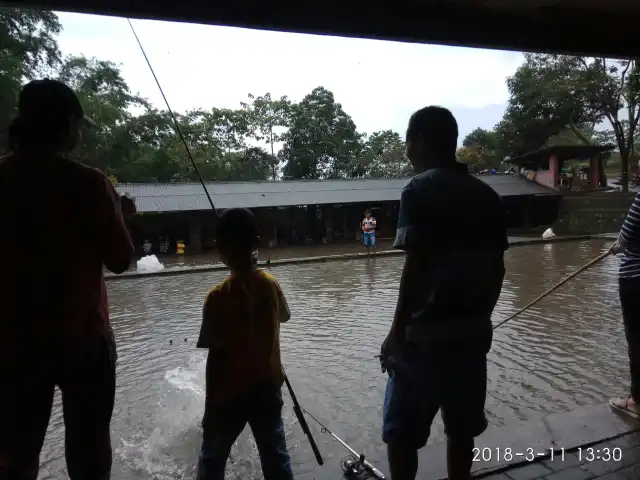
pixel 568 350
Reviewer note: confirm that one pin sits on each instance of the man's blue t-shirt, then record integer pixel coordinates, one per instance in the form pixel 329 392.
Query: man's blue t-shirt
pixel 459 221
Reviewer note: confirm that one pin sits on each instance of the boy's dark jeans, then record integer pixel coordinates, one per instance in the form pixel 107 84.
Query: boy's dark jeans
pixel 261 407
pixel 630 301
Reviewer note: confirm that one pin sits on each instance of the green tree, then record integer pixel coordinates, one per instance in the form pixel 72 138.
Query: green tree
pixel 383 155
pixel 322 141
pixel 549 93
pixel 267 118
pixel 145 148
pixel 470 156
pixel 137 143
pixel 106 98
pixel 483 149
pixel 253 164
pixel 229 128
pixel 28 50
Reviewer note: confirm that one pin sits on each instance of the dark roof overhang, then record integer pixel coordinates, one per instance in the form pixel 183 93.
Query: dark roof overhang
pixel 590 27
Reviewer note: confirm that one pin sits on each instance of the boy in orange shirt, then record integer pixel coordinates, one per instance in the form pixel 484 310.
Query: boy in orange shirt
pixel 241 328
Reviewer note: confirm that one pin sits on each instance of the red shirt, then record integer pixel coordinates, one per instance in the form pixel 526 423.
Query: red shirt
pixel 61 223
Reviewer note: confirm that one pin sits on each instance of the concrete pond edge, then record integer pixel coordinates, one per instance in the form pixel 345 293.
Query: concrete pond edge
pixel 565 432
pixel 517 242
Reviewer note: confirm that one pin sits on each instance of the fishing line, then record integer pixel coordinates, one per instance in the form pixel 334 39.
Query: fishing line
pixel 173 117
pixel 297 408
pixel 356 457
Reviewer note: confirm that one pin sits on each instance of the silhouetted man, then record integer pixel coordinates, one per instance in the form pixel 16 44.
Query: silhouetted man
pixel 452 226
pixel 61 222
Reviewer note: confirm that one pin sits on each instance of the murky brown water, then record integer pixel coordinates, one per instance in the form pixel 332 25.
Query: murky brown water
pixel 568 351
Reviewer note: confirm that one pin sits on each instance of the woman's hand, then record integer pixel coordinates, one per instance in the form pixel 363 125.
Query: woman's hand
pixel 616 248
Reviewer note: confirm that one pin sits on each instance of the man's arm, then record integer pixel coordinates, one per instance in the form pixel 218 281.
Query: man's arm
pixel 629 237
pixel 116 245
pixel 411 288
pixel 412 281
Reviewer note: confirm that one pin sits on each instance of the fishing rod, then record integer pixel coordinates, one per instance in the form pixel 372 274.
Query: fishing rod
pixel 297 409
pixel 303 422
pixel 385 362
pixel 555 287
pixel 175 120
pixel 354 465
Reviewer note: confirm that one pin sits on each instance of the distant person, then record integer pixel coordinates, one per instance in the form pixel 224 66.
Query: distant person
pixel 146 247
pixel 54 321
pixel 241 329
pixel 629 285
pixel 164 244
pixel 368 226
pixel 452 226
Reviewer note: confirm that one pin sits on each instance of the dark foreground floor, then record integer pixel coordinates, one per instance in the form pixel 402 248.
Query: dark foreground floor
pixel 574 468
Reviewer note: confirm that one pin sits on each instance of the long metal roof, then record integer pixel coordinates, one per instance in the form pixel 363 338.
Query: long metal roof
pixel 177 197
pixel 564 152
pixel 593 27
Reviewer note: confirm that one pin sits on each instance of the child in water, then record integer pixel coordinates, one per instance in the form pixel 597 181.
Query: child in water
pixel 241 328
pixel 369 231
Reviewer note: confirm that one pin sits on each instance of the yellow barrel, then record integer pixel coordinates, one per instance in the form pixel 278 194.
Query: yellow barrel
pixel 180 247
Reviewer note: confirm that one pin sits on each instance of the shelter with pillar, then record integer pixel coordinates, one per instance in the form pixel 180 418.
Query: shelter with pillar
pixel 305 211
pixel 565 167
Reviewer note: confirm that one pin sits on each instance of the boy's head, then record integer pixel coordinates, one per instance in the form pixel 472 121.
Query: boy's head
pixel 367 213
pixel 237 237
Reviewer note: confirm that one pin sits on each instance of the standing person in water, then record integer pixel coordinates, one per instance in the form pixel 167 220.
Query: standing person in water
pixel 54 322
pixel 368 226
pixel 629 286
pixel 452 226
pixel 241 329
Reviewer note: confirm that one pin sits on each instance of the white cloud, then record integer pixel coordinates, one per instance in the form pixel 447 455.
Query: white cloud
pixel 379 83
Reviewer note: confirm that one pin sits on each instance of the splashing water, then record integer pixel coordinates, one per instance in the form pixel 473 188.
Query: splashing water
pixel 548 234
pixel 170 451
pixel 149 264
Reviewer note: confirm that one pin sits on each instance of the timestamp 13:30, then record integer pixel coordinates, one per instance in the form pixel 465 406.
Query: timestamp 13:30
pixel 604 454
pixel 588 454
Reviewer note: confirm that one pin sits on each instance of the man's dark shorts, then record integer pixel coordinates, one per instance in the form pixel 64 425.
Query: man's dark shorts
pixel 87 382
pixel 422 384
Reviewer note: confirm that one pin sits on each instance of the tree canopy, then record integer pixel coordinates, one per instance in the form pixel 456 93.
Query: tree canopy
pixel 561 99
pixel 553 99
pixel 135 142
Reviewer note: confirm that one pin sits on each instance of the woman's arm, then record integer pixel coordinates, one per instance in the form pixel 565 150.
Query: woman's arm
pixel 629 237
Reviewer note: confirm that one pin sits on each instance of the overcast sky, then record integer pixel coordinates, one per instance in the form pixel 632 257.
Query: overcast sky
pixel 378 83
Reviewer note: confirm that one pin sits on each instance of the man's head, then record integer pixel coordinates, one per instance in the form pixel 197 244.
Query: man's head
pixel 432 138
pixel 50 117
pixel 367 213
pixel 237 237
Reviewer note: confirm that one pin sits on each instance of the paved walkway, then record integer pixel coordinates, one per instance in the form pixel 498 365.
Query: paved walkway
pixel 592 465
pixel 352 251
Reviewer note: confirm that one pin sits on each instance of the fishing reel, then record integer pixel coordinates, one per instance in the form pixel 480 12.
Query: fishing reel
pixel 354 468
